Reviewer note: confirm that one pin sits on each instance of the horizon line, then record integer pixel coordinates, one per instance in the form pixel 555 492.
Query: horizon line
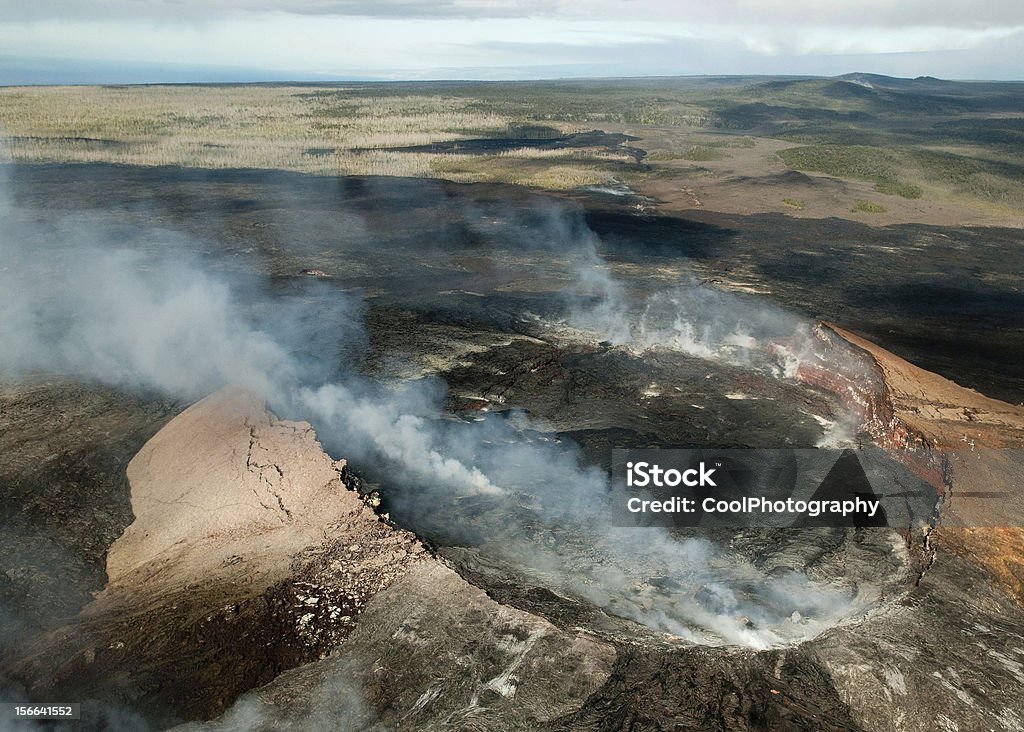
pixel 362 80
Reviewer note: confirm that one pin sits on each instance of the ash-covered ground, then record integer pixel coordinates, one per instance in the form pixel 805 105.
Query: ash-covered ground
pixel 475 352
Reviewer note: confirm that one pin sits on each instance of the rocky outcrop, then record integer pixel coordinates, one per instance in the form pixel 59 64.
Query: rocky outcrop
pixel 832 363
pixel 251 486
pixel 248 556
pixel 927 421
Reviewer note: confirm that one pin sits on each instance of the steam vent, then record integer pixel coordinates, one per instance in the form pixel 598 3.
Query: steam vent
pixel 631 405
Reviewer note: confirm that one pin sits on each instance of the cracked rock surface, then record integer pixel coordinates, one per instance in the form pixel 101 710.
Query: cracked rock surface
pixel 248 481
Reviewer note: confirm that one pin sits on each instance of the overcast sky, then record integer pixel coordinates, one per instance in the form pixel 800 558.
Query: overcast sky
pixel 51 41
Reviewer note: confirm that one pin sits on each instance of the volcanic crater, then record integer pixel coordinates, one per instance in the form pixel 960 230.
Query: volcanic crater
pixel 528 337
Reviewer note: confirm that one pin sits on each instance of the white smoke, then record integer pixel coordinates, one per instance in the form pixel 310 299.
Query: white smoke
pixel 683 315
pixel 380 427
pixel 75 305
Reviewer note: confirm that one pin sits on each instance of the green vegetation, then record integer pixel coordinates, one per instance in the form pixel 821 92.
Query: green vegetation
pixel 907 172
pixel 569 169
pixel 704 153
pixel 705 150
pixel 880 166
pixel 793 203
pixel 868 207
pixel 664 156
pixel 899 188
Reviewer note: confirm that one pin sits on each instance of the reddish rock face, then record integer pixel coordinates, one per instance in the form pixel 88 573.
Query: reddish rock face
pixel 968 446
pixel 853 374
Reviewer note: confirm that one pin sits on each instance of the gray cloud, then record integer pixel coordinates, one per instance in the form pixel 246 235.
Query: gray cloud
pixel 739 13
pixel 198 10
pixel 524 39
pixel 998 58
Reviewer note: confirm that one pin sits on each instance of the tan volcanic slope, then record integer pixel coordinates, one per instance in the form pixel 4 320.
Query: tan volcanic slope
pixel 250 484
pixel 226 490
